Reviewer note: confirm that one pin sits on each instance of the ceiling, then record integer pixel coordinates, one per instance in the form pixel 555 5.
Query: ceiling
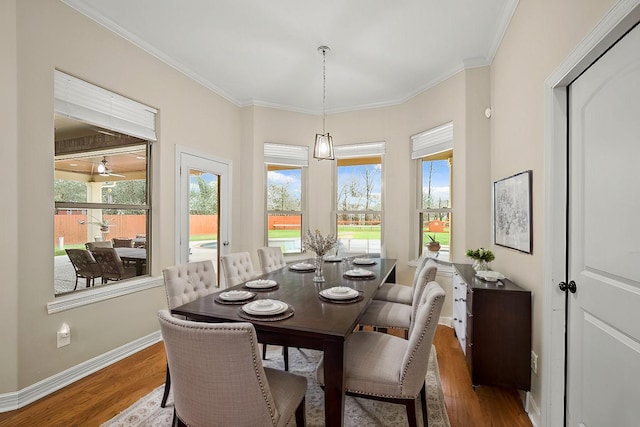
pixel 257 52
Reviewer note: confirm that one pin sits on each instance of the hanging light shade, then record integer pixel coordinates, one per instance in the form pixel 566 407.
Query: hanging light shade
pixel 323 148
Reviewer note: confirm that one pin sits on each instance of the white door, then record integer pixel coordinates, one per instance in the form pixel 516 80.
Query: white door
pixel 603 352
pixel 204 196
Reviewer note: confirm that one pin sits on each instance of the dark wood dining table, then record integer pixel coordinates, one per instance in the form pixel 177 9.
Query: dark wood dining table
pixel 136 255
pixel 316 323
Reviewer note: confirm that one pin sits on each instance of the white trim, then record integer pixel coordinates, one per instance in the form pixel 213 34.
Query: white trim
pixel 102 293
pixel 353 151
pixel 432 141
pixel 84 101
pixel 285 154
pixel 16 400
pixel 613 25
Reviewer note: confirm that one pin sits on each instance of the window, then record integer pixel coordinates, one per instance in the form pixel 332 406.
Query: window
pixel 285 166
pixel 434 151
pixel 359 198
pixel 101 182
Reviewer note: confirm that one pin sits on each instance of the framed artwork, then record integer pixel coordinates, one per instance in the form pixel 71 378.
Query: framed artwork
pixel 512 212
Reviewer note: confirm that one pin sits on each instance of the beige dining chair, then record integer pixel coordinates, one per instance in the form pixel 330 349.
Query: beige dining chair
pixel 237 268
pixel 403 294
pixel 271 258
pixel 384 315
pixel 391 369
pixel 218 379
pixel 184 283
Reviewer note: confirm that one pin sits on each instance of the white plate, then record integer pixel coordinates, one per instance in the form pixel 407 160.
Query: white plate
pixel 359 272
pixel 235 295
pixel 339 293
pixel 333 258
pixel 265 307
pixel 363 261
pixel 490 276
pixel 303 266
pixel 261 284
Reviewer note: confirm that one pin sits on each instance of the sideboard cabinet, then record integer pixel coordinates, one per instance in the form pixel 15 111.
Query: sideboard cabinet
pixel 492 321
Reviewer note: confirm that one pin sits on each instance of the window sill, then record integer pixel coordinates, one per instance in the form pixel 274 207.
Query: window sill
pixel 444 267
pixel 79 299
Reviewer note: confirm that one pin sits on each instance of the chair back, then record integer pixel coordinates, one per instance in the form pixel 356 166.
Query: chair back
pixel 92 245
pixel 216 373
pixel 237 268
pixel 422 331
pixel 425 275
pixel 422 263
pixel 110 263
pixel 187 282
pixel 271 258
pixel 83 262
pixel 122 242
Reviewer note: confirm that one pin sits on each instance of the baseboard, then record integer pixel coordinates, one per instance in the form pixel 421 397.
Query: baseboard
pixel 532 410
pixel 446 321
pixel 16 400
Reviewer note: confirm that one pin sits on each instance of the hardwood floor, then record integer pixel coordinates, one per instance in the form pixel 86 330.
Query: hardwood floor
pixel 97 398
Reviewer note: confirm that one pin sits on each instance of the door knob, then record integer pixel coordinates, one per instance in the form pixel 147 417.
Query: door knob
pixel 225 243
pixel 571 286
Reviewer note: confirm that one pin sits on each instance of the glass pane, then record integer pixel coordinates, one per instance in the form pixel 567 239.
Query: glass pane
pixel 359 234
pixel 436 184
pixel 284 189
pixel 436 228
pixel 359 187
pixel 204 221
pixel 125 230
pixel 285 231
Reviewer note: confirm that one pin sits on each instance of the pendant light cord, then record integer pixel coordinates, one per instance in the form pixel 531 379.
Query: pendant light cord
pixel 324 87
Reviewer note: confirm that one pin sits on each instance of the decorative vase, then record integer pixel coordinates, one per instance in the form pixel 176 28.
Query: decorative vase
pixel 433 246
pixel 480 265
pixel 319 261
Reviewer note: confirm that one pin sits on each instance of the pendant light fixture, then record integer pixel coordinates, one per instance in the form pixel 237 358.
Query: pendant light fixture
pixel 323 148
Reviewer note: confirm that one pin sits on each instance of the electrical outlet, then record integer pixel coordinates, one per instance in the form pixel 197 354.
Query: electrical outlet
pixel 534 362
pixel 64 335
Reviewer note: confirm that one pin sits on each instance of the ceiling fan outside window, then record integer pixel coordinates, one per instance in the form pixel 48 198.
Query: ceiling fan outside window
pixel 104 170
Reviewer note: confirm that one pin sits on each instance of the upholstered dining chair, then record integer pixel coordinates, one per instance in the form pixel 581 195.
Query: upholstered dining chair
pixel 396 292
pixel 184 283
pixel 218 378
pixel 271 258
pixel 383 314
pixel 84 265
pixel 111 266
pixel 388 368
pixel 237 268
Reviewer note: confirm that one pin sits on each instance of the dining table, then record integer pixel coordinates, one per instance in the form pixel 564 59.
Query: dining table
pixel 311 320
pixel 136 255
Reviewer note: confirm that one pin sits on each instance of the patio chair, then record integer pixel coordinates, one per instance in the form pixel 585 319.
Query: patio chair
pixel 111 266
pixel 84 265
pixel 184 283
pixel 391 369
pixel 122 242
pixel 217 379
pixel 92 245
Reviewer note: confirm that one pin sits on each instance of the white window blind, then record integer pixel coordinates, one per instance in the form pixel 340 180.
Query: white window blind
pixel 366 149
pixel 432 141
pixel 89 103
pixel 286 155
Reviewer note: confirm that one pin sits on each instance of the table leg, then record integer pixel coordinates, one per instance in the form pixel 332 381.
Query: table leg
pixel 334 383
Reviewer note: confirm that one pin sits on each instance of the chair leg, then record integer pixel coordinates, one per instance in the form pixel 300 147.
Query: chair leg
pixel 411 412
pixel 88 282
pixel 167 387
pixel 300 414
pixel 264 351
pixel 423 398
pixel 285 356
pixel 74 288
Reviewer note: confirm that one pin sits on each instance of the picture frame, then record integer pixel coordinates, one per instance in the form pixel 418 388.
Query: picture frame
pixel 512 222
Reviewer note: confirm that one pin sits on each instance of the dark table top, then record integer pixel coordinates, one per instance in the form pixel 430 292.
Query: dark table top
pixel 313 317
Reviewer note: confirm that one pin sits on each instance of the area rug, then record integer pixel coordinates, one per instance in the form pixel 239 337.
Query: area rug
pixel 358 412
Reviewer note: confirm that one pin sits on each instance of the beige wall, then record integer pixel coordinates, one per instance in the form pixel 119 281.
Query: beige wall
pixel 541 35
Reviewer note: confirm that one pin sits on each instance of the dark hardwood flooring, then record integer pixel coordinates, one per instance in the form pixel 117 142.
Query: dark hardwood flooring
pixel 100 396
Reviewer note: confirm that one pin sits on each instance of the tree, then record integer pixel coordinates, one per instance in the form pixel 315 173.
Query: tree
pixel 69 191
pixel 280 198
pixel 203 197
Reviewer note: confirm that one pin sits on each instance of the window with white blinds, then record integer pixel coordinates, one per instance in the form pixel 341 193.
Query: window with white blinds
pixel 433 141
